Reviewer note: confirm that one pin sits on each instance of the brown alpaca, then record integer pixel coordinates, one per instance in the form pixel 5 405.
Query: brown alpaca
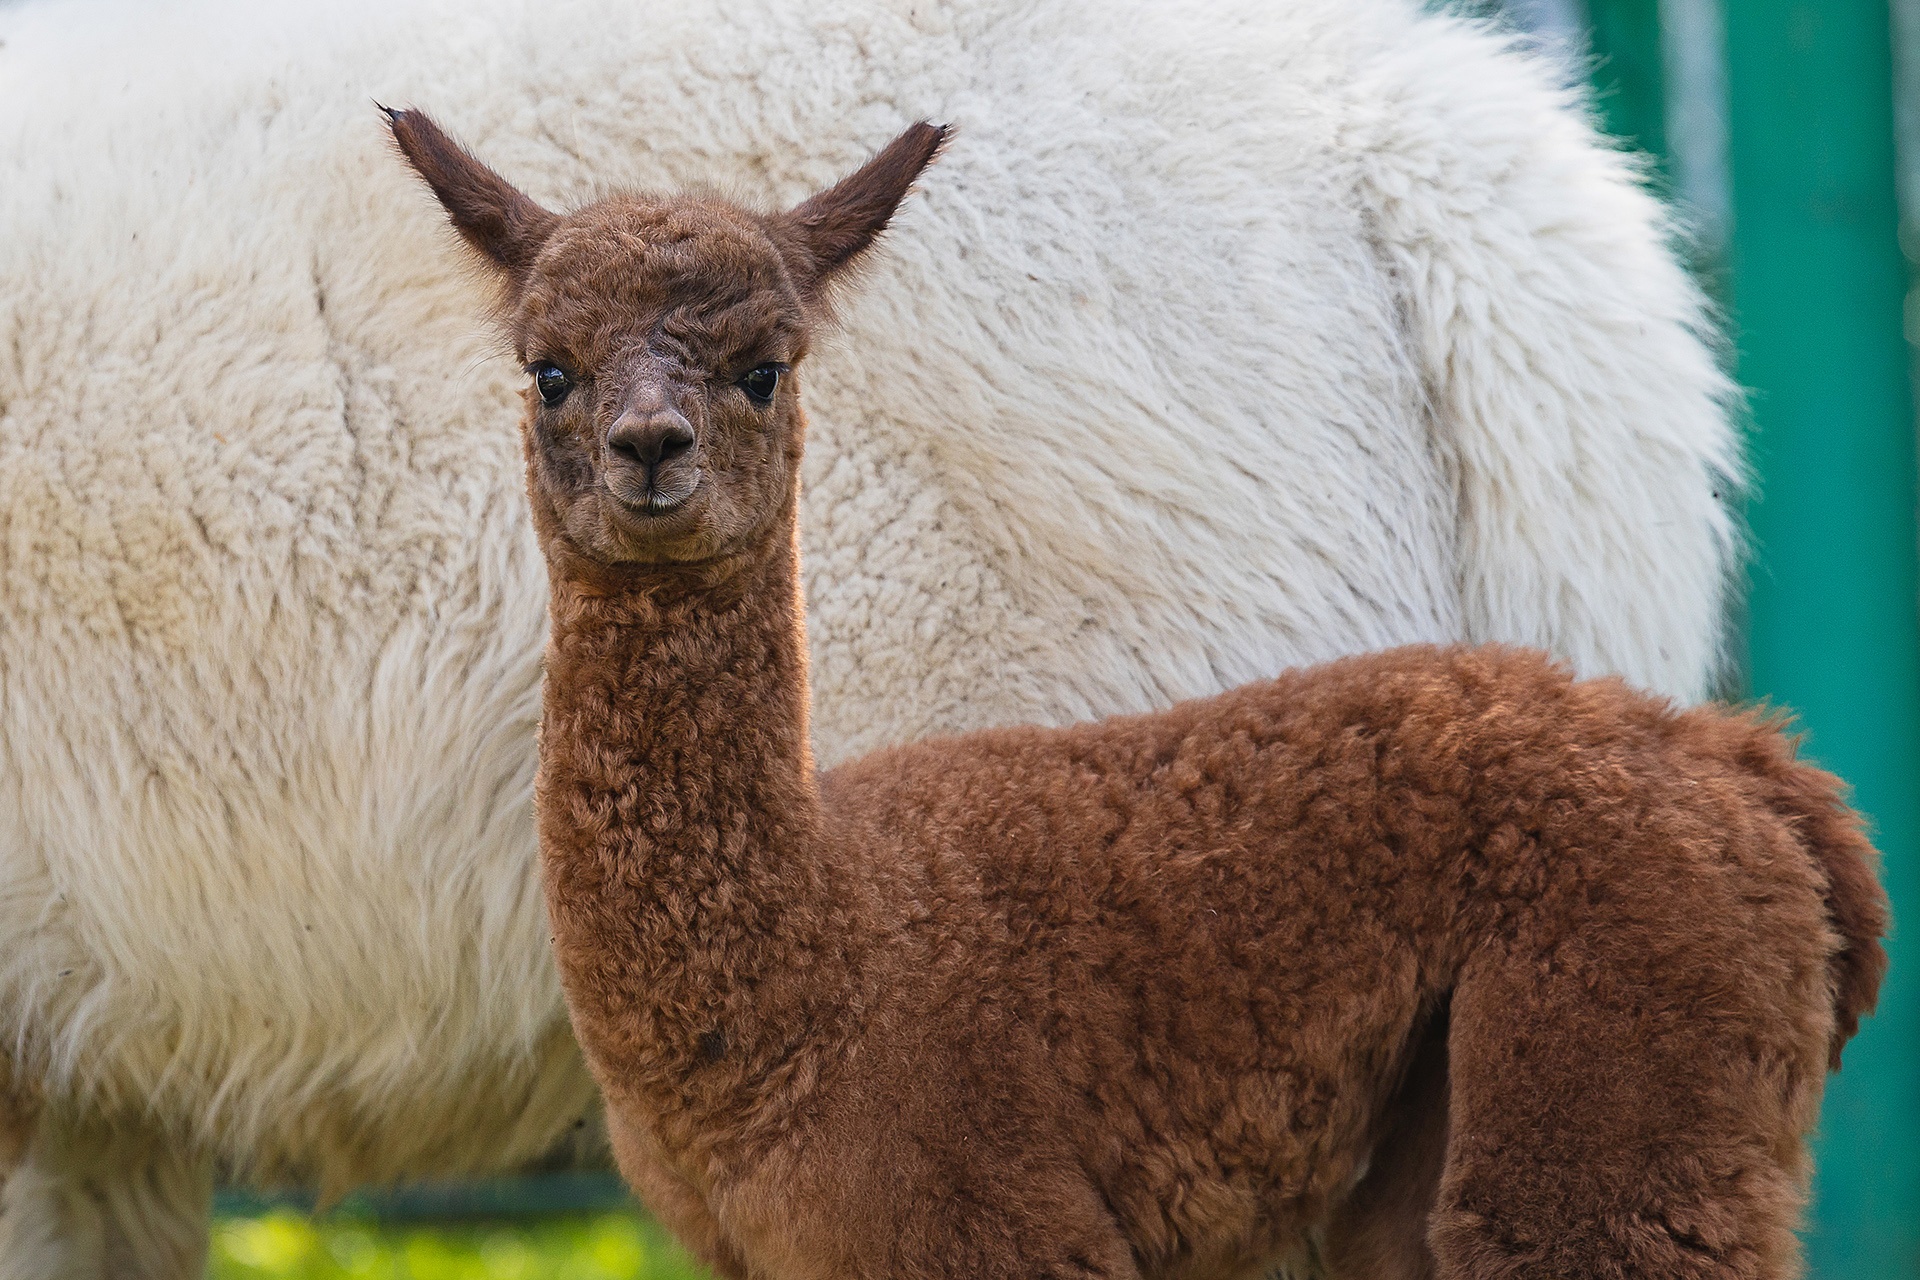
pixel 1429 963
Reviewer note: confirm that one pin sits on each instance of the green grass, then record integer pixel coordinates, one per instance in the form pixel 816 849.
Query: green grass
pixel 284 1245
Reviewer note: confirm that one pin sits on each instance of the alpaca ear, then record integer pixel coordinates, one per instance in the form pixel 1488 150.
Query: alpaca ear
pixel 824 235
pixel 490 213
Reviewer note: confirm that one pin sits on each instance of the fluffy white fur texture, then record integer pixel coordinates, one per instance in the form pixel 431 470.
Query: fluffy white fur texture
pixel 1224 338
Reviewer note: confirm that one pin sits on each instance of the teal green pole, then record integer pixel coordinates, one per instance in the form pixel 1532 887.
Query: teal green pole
pixel 1834 632
pixel 1629 77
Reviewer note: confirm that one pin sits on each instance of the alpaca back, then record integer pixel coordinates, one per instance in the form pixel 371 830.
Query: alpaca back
pixel 1138 407
pixel 1518 243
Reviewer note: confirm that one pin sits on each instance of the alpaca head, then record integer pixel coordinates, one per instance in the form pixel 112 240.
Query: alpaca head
pixel 661 337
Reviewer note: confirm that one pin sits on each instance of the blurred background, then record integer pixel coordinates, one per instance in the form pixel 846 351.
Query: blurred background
pixel 1787 132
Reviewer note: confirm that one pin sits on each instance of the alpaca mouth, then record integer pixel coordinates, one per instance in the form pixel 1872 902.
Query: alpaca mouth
pixel 653 498
pixel 660 504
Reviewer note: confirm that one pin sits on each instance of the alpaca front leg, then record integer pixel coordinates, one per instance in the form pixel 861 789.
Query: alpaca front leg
pixel 987 1247
pixel 90 1203
pixel 1009 1229
pixel 849 1202
pixel 1072 1247
pixel 669 1197
pixel 19 1116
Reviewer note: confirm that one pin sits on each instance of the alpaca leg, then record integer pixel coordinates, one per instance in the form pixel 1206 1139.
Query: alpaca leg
pixel 18 1114
pixel 1044 1227
pixel 1380 1233
pixel 157 1205
pixel 87 1204
pixel 18 1119
pixel 1059 1253
pixel 1601 1124
pixel 997 1218
pixel 670 1198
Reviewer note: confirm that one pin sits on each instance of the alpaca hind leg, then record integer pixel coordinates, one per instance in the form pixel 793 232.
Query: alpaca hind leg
pixel 1380 1233
pixel 86 1203
pixel 1602 1124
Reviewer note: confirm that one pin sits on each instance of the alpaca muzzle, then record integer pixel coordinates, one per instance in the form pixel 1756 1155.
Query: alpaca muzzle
pixel 650 466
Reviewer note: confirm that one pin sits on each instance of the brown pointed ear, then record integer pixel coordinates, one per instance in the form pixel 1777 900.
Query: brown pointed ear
pixel 822 236
pixel 490 213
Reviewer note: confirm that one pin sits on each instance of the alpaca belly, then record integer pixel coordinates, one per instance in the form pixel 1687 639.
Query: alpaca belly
pixel 1231 1197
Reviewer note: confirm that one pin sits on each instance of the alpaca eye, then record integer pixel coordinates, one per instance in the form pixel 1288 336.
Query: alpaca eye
pixel 761 383
pixel 552 382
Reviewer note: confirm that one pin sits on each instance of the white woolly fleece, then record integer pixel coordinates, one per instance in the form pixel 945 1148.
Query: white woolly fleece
pixel 1218 341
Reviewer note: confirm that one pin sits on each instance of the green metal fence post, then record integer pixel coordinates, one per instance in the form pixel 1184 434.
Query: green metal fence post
pixel 1835 624
pixel 1629 76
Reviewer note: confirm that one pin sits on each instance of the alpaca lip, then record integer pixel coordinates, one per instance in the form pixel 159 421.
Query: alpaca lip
pixel 651 499
pixel 658 504
pixel 654 506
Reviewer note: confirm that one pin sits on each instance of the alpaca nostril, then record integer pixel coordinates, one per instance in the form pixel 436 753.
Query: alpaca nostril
pixel 651 441
pixel 675 442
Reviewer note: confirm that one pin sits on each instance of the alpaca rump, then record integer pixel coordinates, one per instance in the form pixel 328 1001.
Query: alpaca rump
pixel 1430 962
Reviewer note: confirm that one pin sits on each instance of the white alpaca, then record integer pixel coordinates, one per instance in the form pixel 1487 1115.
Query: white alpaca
pixel 267 887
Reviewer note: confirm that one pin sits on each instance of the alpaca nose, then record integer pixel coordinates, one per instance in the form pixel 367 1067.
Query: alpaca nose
pixel 650 439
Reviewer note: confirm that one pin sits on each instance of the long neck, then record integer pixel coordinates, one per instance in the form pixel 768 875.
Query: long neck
pixel 679 814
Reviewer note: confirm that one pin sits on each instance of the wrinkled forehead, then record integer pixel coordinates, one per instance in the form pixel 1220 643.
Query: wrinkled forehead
pixel 700 279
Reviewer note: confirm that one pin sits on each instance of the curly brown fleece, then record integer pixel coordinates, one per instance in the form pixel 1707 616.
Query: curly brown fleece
pixel 1434 962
